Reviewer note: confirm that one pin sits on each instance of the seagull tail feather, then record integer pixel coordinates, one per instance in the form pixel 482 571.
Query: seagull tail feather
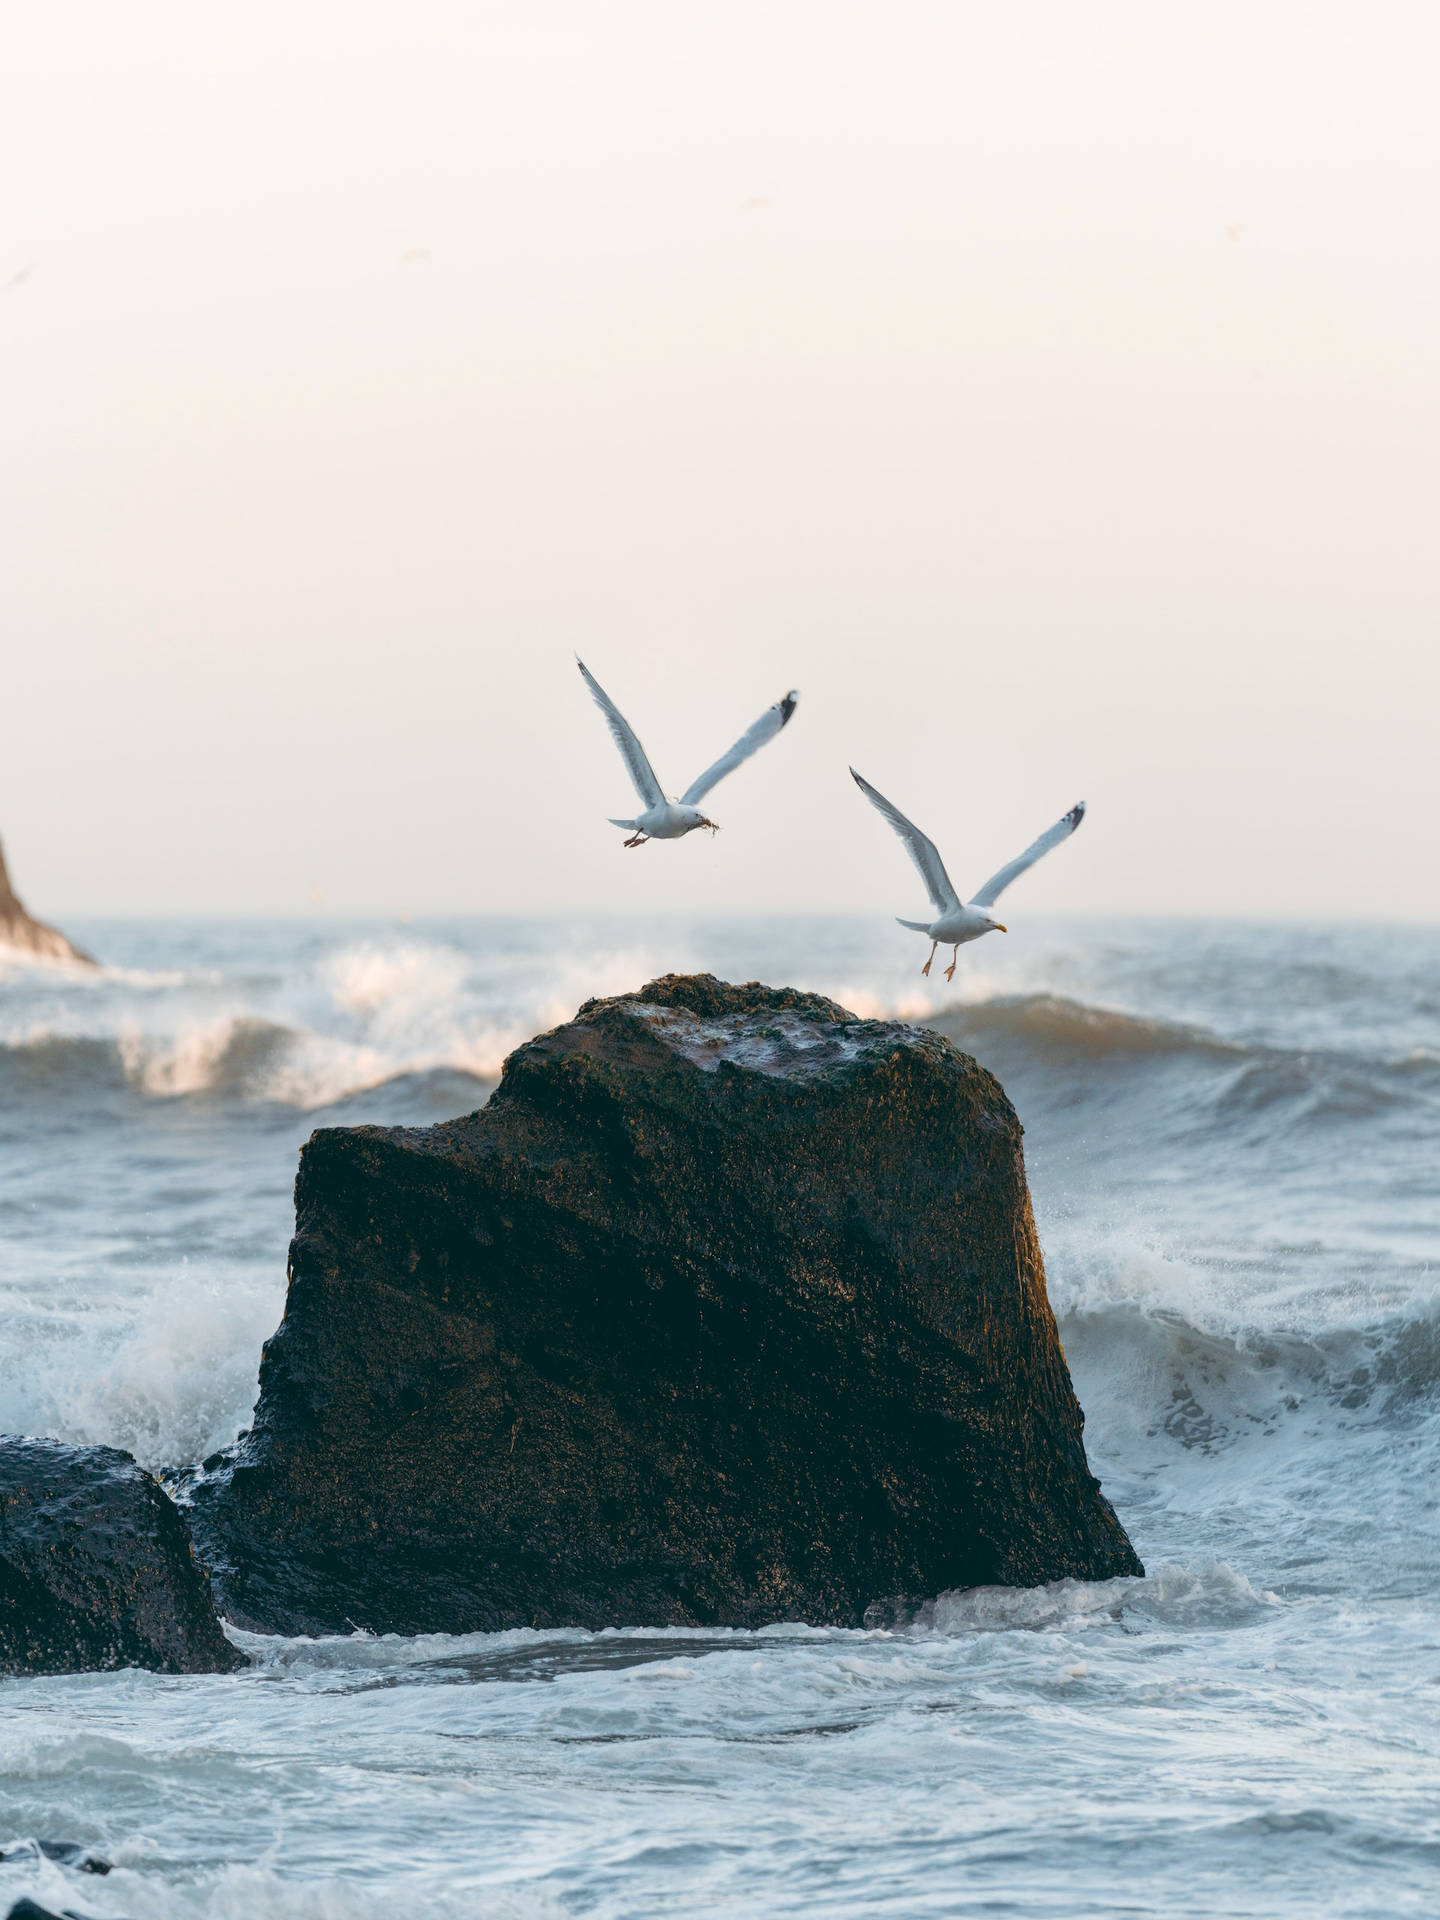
pixel 915 926
pixel 624 823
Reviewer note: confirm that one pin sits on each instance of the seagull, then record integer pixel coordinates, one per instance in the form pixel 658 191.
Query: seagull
pixel 664 819
pixel 957 924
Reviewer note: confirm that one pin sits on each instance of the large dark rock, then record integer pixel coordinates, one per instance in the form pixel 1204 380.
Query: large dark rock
pixel 96 1569
pixel 26 935
pixel 727 1309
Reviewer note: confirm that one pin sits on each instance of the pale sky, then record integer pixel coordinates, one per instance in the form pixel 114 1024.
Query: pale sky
pixel 1051 393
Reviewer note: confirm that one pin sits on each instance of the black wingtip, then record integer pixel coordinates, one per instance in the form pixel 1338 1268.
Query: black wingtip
pixel 1076 813
pixel 787 706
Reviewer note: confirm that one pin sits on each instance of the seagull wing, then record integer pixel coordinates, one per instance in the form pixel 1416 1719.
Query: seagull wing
pixel 623 734
pixel 921 849
pixel 997 883
pixel 751 741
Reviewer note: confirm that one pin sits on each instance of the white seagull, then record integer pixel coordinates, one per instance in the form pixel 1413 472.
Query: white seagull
pixel 664 819
pixel 958 924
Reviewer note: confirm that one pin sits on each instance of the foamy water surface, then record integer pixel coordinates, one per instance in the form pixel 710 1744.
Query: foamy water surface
pixel 1232 1139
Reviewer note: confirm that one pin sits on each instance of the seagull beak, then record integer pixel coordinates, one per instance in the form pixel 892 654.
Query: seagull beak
pixel 1000 929
pixel 711 824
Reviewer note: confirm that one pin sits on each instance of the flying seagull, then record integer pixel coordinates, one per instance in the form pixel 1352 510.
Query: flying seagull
pixel 956 923
pixel 664 819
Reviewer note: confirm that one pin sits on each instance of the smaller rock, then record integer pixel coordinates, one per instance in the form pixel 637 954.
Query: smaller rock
pixel 24 935
pixel 26 1909
pixel 96 1570
pixel 65 1853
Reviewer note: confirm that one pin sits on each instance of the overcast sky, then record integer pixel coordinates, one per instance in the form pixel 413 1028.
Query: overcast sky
pixel 1050 393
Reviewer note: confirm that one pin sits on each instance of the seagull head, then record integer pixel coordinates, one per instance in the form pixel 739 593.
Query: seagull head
pixel 691 817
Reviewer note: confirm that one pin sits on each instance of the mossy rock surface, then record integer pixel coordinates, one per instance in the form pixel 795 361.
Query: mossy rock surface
pixel 727 1309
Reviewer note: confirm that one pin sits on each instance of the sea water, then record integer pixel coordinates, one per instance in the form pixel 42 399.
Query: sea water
pixel 1232 1138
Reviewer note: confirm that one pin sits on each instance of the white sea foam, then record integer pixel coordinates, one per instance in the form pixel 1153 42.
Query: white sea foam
pixel 360 1015
pixel 248 1892
pixel 1207 1355
pixel 1212 1591
pixel 167 1370
pixel 17 962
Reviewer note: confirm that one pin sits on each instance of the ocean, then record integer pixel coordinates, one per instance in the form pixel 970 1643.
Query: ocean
pixel 1231 1134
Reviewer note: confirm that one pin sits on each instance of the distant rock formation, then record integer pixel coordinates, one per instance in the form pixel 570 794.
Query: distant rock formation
pixel 25 935
pixel 96 1570
pixel 727 1309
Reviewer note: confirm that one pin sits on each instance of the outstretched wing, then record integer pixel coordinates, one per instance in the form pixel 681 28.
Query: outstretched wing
pixel 997 883
pixel 623 734
pixel 751 741
pixel 920 847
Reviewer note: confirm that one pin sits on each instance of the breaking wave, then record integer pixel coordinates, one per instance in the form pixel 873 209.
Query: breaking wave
pixel 166 1370
pixel 1054 1023
pixel 1073 1037
pixel 1168 1353
pixel 374 1011
pixel 1212 1592
pixel 358 1018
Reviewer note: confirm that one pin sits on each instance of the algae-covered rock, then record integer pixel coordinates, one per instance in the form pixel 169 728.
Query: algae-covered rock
pixel 727 1309
pixel 96 1570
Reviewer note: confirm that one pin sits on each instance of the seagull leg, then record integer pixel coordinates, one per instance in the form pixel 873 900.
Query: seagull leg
pixel 954 956
pixel 933 951
pixel 636 840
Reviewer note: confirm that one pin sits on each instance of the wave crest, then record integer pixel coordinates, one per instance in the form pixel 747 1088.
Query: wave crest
pixel 357 1018
pixel 361 1017
pixel 1212 1593
pixel 1164 1351
pixel 1055 1023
